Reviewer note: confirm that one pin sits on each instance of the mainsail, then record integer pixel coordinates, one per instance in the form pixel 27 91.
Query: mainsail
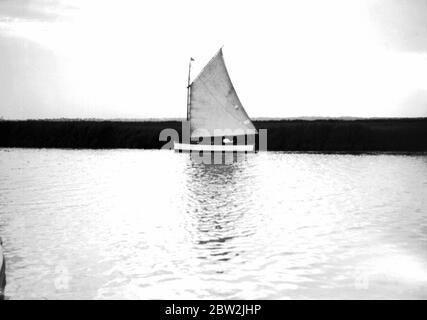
pixel 214 104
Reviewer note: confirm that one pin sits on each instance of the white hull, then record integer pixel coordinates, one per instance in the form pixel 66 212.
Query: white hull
pixel 186 147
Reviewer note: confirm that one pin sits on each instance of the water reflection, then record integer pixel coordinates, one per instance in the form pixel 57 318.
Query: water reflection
pixel 218 202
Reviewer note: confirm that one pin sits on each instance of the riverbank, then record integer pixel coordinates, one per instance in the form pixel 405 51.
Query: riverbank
pixel 324 135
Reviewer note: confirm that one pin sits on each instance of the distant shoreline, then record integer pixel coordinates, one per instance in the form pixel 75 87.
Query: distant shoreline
pixel 343 135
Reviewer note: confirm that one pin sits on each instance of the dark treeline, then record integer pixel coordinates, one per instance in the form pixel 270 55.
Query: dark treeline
pixel 400 135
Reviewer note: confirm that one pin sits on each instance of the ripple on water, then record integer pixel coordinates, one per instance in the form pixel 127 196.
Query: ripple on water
pixel 154 224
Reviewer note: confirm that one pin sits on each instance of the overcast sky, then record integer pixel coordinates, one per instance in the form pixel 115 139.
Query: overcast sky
pixel 129 59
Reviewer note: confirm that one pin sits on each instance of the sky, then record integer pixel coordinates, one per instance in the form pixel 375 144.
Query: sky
pixel 129 59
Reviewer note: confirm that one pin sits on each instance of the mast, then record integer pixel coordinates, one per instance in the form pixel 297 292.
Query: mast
pixel 188 90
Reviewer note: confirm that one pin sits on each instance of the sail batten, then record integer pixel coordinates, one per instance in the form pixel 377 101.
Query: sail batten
pixel 215 107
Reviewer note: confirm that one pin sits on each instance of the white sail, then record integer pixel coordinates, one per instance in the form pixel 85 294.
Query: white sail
pixel 214 104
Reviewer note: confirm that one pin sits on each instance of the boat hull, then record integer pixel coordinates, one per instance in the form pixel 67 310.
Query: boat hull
pixel 187 147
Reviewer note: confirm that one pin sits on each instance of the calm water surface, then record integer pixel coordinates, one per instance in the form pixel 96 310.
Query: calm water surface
pixel 153 224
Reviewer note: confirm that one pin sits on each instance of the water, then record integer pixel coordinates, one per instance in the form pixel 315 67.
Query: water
pixel 89 224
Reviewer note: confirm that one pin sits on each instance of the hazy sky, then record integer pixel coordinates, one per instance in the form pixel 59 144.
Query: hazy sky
pixel 129 59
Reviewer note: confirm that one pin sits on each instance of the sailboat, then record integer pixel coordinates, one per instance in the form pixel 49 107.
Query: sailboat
pixel 218 121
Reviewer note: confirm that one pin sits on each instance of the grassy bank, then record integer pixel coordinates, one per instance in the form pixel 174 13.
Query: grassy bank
pixel 402 135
